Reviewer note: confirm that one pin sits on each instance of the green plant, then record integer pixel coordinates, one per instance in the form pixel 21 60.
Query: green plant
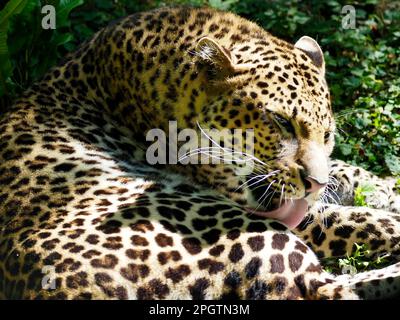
pixel 361 193
pixel 360 260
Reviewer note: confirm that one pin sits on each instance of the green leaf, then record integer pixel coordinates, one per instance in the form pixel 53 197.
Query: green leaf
pixel 361 193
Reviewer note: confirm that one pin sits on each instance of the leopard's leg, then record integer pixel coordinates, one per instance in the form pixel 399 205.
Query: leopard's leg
pixel 375 284
pixel 345 179
pixel 332 230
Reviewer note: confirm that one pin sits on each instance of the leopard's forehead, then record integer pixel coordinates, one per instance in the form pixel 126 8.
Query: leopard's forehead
pixel 283 79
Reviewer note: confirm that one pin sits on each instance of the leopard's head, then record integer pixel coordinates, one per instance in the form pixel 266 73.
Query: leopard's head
pixel 277 91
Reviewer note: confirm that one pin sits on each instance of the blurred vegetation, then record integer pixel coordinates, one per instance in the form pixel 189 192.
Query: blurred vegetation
pixel 360 260
pixel 363 64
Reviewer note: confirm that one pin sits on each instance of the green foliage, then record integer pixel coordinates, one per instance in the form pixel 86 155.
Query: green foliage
pixel 363 64
pixel 361 193
pixel 360 260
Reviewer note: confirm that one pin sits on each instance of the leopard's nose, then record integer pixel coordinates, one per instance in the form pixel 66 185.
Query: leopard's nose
pixel 312 185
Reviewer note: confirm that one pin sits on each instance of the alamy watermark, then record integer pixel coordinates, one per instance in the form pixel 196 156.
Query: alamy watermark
pixel 206 146
pixel 49 20
pixel 349 18
pixel 49 278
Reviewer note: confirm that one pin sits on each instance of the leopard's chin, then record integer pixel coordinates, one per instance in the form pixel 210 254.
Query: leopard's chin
pixel 290 213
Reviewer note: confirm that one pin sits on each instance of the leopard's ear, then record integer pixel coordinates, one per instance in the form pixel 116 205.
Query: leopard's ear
pixel 218 57
pixel 311 48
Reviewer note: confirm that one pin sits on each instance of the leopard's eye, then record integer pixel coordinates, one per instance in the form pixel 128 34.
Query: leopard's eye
pixel 283 123
pixel 327 136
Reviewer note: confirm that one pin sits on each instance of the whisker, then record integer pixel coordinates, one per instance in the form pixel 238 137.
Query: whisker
pixel 263 177
pixel 260 201
pixel 282 194
pixel 215 143
pixel 279 182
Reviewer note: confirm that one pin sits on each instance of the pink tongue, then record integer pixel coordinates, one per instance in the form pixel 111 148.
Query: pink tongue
pixel 291 213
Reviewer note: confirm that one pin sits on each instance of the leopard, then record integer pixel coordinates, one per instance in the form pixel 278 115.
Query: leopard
pixel 84 215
